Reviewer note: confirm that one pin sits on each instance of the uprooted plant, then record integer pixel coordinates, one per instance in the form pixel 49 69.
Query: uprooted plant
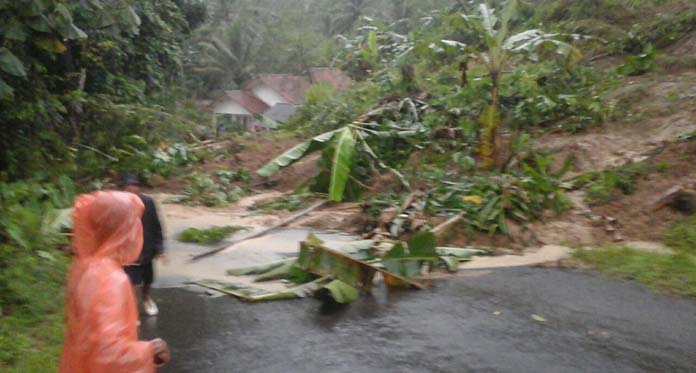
pixel 339 274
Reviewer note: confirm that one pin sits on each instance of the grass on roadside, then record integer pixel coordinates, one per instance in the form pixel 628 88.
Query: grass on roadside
pixel 31 328
pixel 670 273
pixel 208 236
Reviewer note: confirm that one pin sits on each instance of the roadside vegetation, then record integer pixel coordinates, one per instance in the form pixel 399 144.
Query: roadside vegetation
pixel 442 122
pixel 670 273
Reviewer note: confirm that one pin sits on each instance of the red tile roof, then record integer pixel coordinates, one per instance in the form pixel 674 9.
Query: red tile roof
pixel 334 77
pixel 291 87
pixel 248 101
pixel 294 87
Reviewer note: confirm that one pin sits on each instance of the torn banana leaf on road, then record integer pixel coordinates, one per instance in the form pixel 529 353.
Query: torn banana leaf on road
pixel 256 295
pixel 321 261
pixel 339 292
pixel 259 269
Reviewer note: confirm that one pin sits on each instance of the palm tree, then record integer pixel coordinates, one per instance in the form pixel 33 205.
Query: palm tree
pixel 501 48
pixel 225 52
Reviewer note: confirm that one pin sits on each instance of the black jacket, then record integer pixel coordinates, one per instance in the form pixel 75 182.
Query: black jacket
pixel 153 242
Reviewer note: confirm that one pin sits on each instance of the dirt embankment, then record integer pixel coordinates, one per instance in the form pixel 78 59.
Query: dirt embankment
pixel 251 153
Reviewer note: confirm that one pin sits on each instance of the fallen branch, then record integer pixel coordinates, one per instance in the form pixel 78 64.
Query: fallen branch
pixel 264 232
pixel 447 225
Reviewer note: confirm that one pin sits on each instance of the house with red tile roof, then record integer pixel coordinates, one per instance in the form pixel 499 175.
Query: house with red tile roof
pixel 278 91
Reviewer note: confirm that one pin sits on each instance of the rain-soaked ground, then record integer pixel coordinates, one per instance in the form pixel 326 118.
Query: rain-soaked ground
pixel 478 322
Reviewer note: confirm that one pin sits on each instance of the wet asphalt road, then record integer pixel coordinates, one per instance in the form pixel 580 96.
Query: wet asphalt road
pixel 478 323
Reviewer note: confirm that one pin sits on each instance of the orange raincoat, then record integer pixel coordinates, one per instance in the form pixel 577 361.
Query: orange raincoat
pixel 101 311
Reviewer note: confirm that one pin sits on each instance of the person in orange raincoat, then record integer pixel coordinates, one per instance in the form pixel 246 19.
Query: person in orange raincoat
pixel 101 312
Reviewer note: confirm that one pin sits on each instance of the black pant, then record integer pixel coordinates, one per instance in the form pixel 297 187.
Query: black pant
pixel 141 274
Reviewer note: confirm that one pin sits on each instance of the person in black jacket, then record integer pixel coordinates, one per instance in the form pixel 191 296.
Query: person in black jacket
pixel 142 272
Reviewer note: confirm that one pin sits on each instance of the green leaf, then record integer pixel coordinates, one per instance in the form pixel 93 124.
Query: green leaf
pixel 407 263
pixel 538 318
pixel 342 163
pixel 296 153
pixel 341 292
pixel 422 244
pixel 52 45
pixel 508 12
pixel 451 263
pixel 5 89
pixel 460 253
pixel 488 19
pixel 14 30
pixel 259 269
pixel 10 64
pixel 280 272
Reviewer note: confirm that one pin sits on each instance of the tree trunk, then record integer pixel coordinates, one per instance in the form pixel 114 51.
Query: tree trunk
pixel 463 68
pixel 490 122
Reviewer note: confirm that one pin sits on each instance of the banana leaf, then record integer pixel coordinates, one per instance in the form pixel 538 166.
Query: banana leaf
pixel 339 291
pixel 461 253
pixel 296 153
pixel 280 272
pixel 254 295
pixel 407 262
pixel 259 269
pixel 339 266
pixel 341 163
pixel 451 263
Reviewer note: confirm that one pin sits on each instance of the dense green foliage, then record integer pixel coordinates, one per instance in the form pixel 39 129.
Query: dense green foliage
pixel 32 272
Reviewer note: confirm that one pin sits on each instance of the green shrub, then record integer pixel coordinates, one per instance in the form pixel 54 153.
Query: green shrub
pixel 204 190
pixel 208 236
pixel 32 272
pixel 609 185
pixel 640 64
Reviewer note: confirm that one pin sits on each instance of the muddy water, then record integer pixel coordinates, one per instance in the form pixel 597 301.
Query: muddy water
pixel 479 323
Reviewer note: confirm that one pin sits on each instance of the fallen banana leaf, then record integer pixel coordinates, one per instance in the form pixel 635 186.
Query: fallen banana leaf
pixel 257 270
pixel 408 261
pixel 296 153
pixel 301 291
pixel 339 291
pixel 277 273
pixel 459 252
pixel 399 261
pixel 451 263
pixel 325 262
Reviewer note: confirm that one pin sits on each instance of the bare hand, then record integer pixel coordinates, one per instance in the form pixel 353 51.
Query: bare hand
pixel 162 355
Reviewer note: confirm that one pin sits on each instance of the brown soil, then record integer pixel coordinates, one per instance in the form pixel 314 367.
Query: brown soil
pixel 658 110
pixel 250 154
pixel 637 218
pixel 636 214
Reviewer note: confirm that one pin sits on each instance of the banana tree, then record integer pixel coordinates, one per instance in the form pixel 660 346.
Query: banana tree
pixel 502 48
pixel 345 145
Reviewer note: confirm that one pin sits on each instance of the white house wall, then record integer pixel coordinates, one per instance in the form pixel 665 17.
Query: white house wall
pixel 268 95
pixel 230 107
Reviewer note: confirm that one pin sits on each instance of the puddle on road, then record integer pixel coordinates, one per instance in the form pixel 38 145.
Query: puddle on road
pixel 278 245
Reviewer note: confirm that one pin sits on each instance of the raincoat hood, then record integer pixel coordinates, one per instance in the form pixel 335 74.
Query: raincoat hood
pixel 107 225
